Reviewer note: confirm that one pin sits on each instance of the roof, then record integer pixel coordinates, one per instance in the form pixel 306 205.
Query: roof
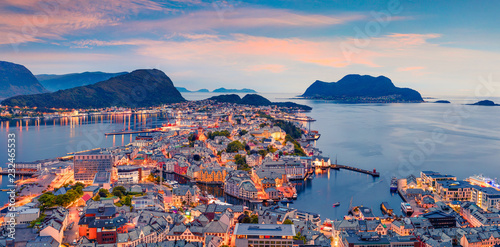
pixel 86 197
pixel 264 229
pixel 43 241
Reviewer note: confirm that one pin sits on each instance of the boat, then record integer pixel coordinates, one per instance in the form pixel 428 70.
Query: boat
pixel 386 209
pixel 313 136
pixel 394 184
pixel 336 204
pixel 406 208
pixel 286 200
pixel 294 196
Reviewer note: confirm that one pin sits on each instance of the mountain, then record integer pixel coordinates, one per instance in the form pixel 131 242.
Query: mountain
pixel 140 88
pixel 182 90
pixel 485 103
pixel 224 90
pixel 16 79
pixel 185 90
pixel 255 100
pixel 66 81
pixel 362 89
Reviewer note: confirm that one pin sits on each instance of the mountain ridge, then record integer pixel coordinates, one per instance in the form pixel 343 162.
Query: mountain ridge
pixel 16 79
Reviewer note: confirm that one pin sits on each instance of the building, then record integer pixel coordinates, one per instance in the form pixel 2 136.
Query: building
pixel 102 180
pixel 55 224
pixel 264 235
pixel 129 174
pixel 87 165
pixel 440 219
pixel 101 222
pixel 431 177
pixel 184 195
pixel 213 175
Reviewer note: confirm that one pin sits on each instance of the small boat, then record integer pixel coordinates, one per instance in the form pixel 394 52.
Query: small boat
pixel 286 200
pixel 294 196
pixel 386 209
pixel 406 208
pixel 336 204
pixel 394 184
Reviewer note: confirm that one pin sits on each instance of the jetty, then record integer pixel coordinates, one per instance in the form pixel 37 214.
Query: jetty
pixel 130 132
pixel 374 173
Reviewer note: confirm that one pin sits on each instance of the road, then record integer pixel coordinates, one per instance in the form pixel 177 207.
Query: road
pixel 72 234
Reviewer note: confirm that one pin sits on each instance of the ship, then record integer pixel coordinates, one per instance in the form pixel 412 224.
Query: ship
pixel 386 209
pixel 286 200
pixel 336 204
pixel 394 184
pixel 313 136
pixel 406 208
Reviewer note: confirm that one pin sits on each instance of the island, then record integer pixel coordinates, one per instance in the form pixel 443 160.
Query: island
pixel 185 90
pixel 442 101
pixel 256 100
pixel 224 90
pixel 362 89
pixel 485 103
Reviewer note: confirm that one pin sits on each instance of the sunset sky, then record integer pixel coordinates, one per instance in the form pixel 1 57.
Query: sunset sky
pixel 435 47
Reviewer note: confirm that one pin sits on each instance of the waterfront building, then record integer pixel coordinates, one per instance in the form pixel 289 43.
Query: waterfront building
pixel 87 165
pixel 440 219
pixel 485 197
pixel 212 175
pixel 184 195
pixel 263 235
pixel 431 177
pixel 452 190
pixel 478 217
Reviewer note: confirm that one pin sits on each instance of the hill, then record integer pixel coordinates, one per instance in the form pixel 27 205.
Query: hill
pixel 66 81
pixel 255 100
pixel 224 90
pixel 15 79
pixel 485 103
pixel 362 89
pixel 140 88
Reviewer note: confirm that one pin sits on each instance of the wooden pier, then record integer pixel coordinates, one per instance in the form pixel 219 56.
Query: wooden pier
pixel 374 173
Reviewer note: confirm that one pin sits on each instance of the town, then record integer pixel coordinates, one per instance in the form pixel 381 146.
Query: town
pixel 155 191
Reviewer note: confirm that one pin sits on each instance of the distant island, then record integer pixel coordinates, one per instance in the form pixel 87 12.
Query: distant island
pixel 362 89
pixel 140 88
pixel 185 90
pixel 15 79
pixel 66 81
pixel 255 100
pixel 224 90
pixel 442 101
pixel 485 103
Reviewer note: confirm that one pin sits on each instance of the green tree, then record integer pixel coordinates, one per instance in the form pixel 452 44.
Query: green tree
pixel 288 222
pixel 299 236
pixel 243 132
pixel 103 193
pixel 254 219
pixel 235 146
pixel 119 191
pixel 97 198
pixel 127 201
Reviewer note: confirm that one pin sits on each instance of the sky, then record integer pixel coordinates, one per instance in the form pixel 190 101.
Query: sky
pixel 435 47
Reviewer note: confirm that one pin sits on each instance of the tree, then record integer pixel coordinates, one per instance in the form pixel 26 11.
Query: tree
pixel 234 147
pixel 288 222
pixel 119 191
pixel 243 132
pixel 96 198
pixel 254 219
pixel 299 236
pixel 127 201
pixel 103 193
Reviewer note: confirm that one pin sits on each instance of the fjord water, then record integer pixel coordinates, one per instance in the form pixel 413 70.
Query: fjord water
pixel 395 139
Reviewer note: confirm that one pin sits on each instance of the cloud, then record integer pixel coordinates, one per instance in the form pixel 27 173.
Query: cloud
pixel 411 68
pixel 241 18
pixel 274 68
pixel 34 20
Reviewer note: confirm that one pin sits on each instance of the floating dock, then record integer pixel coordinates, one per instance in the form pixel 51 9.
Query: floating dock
pixel 374 173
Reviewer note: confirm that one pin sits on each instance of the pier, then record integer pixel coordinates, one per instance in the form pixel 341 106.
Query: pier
pixel 130 132
pixel 374 173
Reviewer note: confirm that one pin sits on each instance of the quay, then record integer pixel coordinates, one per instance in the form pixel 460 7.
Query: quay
pixel 374 173
pixel 130 132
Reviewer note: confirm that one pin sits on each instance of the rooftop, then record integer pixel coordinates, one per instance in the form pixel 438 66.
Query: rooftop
pixel 264 229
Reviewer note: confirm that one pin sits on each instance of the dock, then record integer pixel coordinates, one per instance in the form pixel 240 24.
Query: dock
pixel 130 132
pixel 374 173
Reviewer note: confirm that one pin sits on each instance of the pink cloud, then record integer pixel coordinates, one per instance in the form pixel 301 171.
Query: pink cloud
pixel 274 68
pixel 411 68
